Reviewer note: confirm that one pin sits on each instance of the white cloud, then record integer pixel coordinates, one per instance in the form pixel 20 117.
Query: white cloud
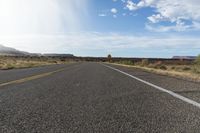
pixel 41 16
pixel 97 42
pixel 161 28
pixel 155 18
pixel 114 10
pixel 102 15
pixel 181 13
pixel 131 5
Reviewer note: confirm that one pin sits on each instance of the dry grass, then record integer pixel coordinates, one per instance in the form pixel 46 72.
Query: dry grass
pixel 27 62
pixel 189 72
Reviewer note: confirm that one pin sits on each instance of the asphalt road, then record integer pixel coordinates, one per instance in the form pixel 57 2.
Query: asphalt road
pixel 92 98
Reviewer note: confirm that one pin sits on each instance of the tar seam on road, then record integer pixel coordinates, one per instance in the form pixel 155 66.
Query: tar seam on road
pixel 31 78
pixel 187 100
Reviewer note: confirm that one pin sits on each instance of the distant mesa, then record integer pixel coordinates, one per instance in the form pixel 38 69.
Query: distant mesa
pixel 185 57
pixel 59 55
pixel 8 51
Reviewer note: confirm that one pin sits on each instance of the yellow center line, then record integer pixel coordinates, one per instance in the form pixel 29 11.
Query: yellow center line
pixel 31 78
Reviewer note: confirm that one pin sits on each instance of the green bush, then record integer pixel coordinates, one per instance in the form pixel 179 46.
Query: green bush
pixel 197 61
pixel 196 67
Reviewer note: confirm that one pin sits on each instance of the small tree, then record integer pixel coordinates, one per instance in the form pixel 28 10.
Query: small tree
pixel 109 58
pixel 197 61
pixel 196 66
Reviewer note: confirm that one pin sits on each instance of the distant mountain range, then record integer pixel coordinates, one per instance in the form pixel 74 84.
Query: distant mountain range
pixel 11 51
pixel 8 51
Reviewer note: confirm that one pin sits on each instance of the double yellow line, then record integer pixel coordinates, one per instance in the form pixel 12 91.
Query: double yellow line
pixel 31 78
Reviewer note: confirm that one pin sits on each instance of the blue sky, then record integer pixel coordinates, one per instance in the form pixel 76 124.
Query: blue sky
pixel 127 28
pixel 133 22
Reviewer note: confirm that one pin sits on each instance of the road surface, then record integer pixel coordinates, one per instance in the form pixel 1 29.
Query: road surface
pixel 94 98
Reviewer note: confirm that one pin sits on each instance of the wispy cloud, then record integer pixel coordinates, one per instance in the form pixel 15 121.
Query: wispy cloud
pixel 102 15
pixel 114 10
pixel 97 42
pixel 42 16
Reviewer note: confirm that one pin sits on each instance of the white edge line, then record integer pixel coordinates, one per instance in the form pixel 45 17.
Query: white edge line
pixel 187 100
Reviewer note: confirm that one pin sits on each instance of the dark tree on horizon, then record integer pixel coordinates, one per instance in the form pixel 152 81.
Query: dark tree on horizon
pixel 109 58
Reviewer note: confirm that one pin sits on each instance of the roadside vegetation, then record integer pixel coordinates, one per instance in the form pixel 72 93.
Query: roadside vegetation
pixel 178 69
pixel 196 67
pixel 109 58
pixel 10 62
